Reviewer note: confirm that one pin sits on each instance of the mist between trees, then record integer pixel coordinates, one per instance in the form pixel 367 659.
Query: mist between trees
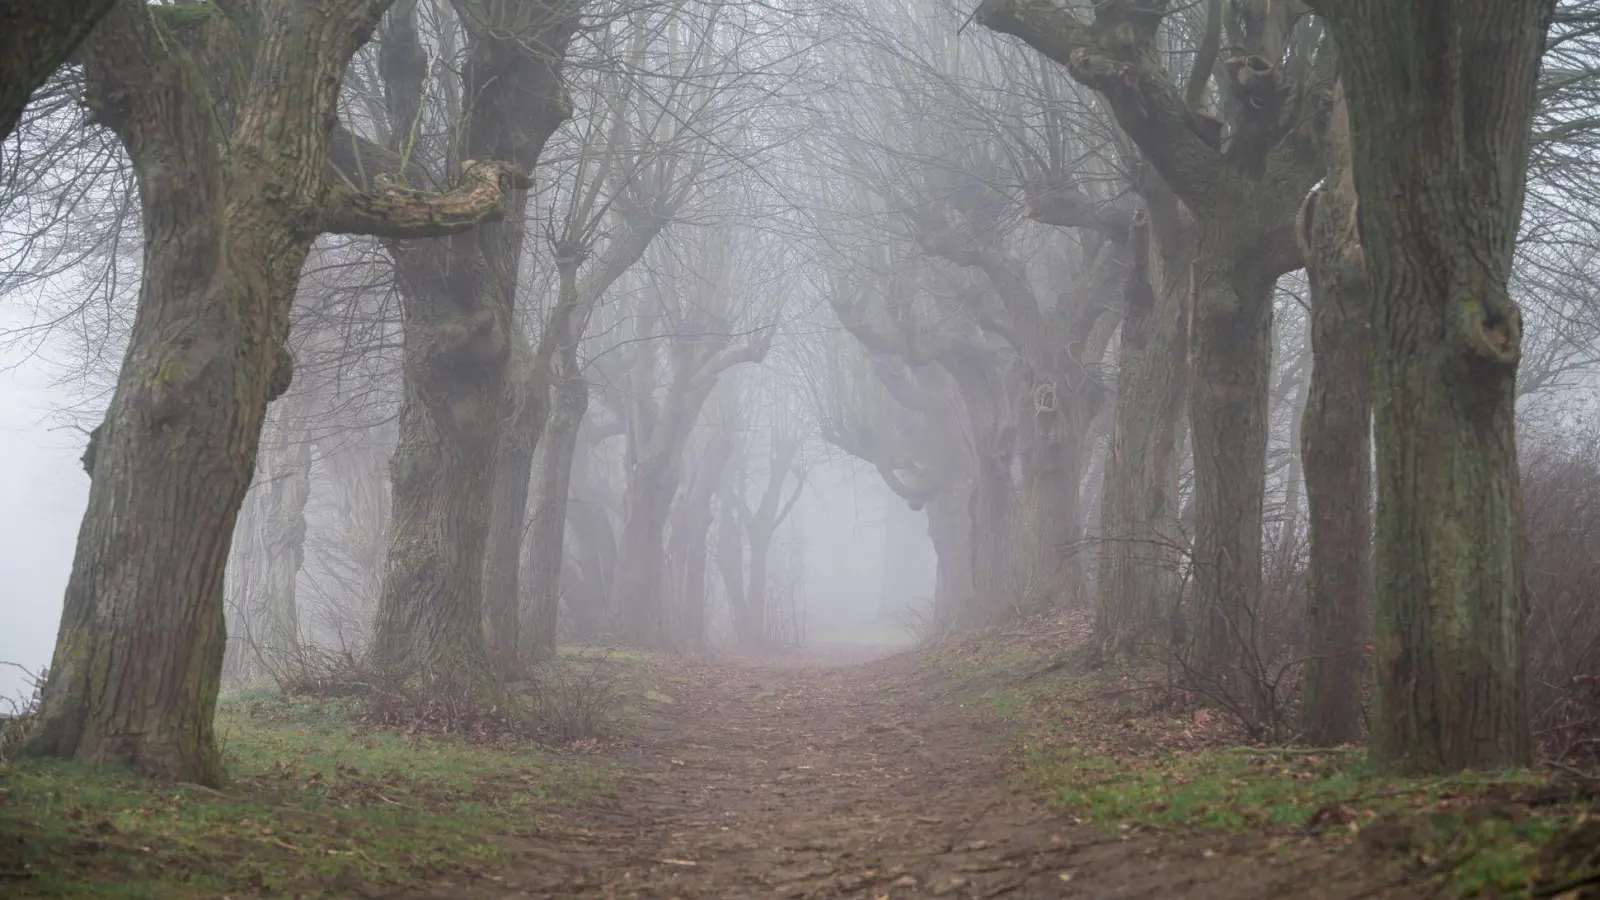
pixel 414 338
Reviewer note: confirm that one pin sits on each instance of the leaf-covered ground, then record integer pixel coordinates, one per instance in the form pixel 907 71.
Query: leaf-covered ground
pixel 976 769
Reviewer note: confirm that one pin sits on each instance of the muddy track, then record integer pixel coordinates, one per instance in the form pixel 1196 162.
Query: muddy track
pixel 861 781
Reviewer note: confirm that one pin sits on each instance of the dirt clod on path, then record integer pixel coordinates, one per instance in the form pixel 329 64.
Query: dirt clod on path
pixel 816 780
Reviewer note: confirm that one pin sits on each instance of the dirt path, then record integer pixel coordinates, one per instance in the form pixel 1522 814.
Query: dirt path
pixel 813 781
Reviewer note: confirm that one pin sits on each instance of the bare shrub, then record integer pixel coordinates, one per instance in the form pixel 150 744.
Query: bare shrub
pixel 1561 504
pixel 20 715
pixel 919 619
pixel 573 698
pixel 318 672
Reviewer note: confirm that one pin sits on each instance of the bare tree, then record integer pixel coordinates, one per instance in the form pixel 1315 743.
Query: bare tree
pixel 1244 193
pixel 1453 100
pixel 460 301
pixel 702 346
pixel 138 661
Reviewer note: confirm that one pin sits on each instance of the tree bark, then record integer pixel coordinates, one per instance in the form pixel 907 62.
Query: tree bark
pixel 1228 407
pixel 1244 196
pixel 1335 443
pixel 1441 99
pixel 138 659
pixel 1140 539
pixel 37 37
pixel 528 406
pixel 460 298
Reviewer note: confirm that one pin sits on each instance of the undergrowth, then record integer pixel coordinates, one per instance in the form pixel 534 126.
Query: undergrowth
pixel 319 806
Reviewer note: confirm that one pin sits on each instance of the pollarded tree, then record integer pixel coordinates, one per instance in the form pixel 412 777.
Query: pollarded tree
pixel 761 521
pixel 1243 176
pixel 878 411
pixel 1441 100
pixel 636 166
pixel 693 311
pixel 690 538
pixel 460 298
pixel 226 113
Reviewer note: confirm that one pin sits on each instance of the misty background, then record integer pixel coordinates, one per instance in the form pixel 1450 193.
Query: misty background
pixel 841 521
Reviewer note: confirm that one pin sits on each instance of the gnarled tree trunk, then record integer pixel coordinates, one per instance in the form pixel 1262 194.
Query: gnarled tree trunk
pixel 138 660
pixel 1244 195
pixel 460 299
pixel 1441 100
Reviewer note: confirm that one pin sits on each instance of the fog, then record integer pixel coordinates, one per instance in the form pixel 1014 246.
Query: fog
pixel 43 490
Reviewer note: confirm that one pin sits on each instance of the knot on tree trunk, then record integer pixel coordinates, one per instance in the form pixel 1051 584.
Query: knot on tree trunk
pixel 1491 328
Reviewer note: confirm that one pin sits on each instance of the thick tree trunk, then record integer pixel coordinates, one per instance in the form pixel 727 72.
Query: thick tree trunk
pixel 1137 576
pixel 430 615
pixel 547 537
pixel 1243 194
pixel 1050 521
pixel 1441 99
pixel 1335 438
pixel 138 661
pixel 1228 409
pixel 460 302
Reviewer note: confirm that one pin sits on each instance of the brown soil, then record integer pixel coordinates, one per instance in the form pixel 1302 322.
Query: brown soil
pixel 812 779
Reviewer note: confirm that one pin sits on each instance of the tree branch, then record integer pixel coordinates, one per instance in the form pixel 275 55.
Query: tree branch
pixel 1116 56
pixel 401 213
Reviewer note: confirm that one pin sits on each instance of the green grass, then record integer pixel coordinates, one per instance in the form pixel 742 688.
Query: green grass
pixel 317 808
pixel 1480 832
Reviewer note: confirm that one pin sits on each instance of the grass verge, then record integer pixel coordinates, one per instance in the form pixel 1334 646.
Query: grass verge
pixel 317 808
pixel 1125 764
